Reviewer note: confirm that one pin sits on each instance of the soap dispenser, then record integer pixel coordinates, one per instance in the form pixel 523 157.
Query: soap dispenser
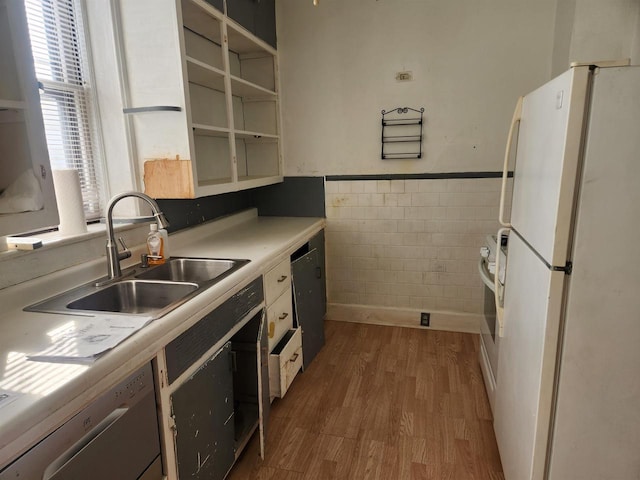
pixel 155 246
pixel 165 243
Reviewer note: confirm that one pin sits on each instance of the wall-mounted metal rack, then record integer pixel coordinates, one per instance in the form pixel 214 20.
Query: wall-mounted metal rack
pixel 402 133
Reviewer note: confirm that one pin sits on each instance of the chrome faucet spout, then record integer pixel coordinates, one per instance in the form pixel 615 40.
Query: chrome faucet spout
pixel 113 255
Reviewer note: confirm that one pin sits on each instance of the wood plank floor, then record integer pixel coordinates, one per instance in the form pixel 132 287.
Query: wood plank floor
pixel 381 403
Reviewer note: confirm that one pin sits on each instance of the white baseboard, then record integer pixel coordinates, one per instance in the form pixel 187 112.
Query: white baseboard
pixel 450 321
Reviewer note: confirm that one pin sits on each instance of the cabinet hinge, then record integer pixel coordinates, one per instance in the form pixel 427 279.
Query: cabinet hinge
pixel 568 268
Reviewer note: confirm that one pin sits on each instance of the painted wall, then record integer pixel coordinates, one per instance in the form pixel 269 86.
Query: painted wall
pixel 603 29
pixel 407 244
pixel 591 30
pixel 635 43
pixel 565 13
pixel 470 61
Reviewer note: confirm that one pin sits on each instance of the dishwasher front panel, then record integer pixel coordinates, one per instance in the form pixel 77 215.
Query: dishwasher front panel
pixel 115 437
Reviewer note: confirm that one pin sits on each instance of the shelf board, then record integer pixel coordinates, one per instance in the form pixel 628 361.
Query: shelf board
pixel 255 135
pixel 12 104
pixel 208 76
pixel 205 75
pixel 401 155
pixel 209 130
pixel 218 186
pixel 243 88
pixel 212 131
pixel 246 182
pixel 216 181
pixel 203 19
pixel 391 122
pixel 242 41
pixel 255 178
pixel 402 139
pixel 246 420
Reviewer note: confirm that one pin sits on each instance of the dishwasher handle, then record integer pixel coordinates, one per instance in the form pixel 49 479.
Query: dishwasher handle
pixel 59 463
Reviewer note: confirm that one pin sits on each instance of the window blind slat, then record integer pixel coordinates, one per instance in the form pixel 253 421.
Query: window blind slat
pixel 57 42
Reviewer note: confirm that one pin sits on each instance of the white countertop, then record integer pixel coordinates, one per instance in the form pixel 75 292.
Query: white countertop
pixel 44 395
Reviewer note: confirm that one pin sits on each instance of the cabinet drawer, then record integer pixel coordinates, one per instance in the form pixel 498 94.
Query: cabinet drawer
pixel 277 280
pixel 279 318
pixel 284 362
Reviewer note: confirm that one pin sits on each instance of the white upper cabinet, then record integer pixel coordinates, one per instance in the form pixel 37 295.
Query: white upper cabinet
pixel 28 199
pixel 202 99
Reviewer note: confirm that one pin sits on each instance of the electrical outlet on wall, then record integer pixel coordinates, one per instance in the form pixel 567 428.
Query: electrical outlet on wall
pixel 425 318
pixel 405 76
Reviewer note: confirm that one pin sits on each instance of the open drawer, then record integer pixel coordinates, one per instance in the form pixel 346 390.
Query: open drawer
pixel 285 362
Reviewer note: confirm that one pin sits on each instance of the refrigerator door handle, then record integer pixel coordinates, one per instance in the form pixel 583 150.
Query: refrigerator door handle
pixel 499 287
pixel 517 116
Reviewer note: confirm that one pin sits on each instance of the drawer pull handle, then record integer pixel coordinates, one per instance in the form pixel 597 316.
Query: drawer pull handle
pixel 282 278
pixel 294 357
pixel 283 316
pixel 272 329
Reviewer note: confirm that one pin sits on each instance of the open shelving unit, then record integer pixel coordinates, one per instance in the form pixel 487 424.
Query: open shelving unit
pixel 228 129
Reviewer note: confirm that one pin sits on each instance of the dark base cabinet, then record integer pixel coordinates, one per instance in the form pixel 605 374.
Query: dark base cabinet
pixel 310 301
pixel 249 374
pixel 220 406
pixel 204 419
pixel 217 409
pixel 317 243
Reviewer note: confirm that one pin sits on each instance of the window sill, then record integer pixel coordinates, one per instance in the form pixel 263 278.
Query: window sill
pixel 55 239
pixel 59 252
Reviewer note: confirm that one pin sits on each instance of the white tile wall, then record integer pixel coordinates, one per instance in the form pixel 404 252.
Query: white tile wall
pixel 409 243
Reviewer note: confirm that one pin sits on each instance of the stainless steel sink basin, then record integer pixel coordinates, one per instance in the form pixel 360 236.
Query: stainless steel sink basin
pixel 196 270
pixel 152 291
pixel 137 297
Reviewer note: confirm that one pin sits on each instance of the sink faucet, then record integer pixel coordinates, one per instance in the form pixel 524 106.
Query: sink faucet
pixel 113 255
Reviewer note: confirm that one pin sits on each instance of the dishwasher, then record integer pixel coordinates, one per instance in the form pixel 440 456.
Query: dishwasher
pixel 114 437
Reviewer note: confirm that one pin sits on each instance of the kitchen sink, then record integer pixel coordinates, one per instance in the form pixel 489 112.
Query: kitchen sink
pixel 151 291
pixel 137 297
pixel 196 270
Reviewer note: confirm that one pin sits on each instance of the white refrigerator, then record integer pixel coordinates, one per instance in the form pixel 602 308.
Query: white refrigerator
pixel 567 400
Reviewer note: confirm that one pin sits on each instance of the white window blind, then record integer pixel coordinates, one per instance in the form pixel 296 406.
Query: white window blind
pixel 60 56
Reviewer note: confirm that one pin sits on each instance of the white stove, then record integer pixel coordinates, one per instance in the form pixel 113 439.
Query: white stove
pixel 488 253
pixel 489 339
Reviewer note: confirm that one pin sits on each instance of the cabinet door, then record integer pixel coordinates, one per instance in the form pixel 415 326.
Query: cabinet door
pixel 263 379
pixel 307 288
pixel 317 243
pixel 265 21
pixel 203 413
pixel 243 12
